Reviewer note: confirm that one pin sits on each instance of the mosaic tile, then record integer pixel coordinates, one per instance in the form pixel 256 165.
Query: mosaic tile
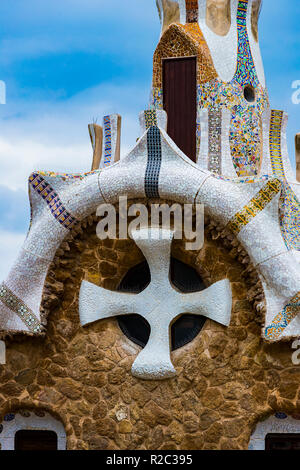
pixel 214 140
pixel 191 11
pixel 183 41
pixel 107 140
pixel 283 319
pixel 246 71
pixel 55 205
pixel 150 118
pixel 153 163
pixel 289 210
pixel 275 143
pixel 256 205
pixel 9 417
pixel 8 298
pixel 280 415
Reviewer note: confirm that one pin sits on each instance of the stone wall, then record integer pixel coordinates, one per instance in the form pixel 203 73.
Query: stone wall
pixel 228 379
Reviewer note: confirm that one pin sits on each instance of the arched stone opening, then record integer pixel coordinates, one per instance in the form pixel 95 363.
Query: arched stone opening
pixel 32 429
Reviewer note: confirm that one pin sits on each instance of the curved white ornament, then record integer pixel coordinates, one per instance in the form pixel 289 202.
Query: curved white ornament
pixel 160 303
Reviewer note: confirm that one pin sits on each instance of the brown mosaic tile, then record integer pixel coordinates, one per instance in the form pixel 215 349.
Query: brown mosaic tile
pixel 183 41
pixel 191 11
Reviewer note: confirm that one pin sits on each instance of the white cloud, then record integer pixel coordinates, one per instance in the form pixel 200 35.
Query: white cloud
pixel 54 135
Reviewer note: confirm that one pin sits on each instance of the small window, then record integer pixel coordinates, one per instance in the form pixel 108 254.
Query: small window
pixel 185 328
pixel 35 440
pixel 283 442
pixel 249 94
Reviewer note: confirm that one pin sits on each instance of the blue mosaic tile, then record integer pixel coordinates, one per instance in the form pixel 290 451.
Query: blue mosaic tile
pixel 9 417
pixel 280 415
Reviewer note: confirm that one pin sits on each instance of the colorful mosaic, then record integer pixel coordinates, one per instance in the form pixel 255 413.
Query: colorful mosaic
pixel 214 140
pixel 153 163
pixel 246 141
pixel 246 126
pixel 246 71
pixel 150 118
pixel 11 301
pixel 57 209
pixel 289 210
pixel 191 11
pixel 66 176
pixel 183 41
pixel 107 138
pixel 275 143
pixel 283 319
pixel 289 206
pixel 255 206
pixel 231 95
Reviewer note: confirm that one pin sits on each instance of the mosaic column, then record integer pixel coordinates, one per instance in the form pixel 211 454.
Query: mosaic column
pixel 112 139
pixel 246 126
pixel 280 161
pixel 214 152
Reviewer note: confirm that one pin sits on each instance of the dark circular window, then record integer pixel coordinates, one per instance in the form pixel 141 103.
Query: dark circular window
pixel 249 94
pixel 186 327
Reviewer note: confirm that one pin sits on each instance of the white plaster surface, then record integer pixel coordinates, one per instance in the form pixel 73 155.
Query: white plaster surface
pixel 271 244
pixel 223 49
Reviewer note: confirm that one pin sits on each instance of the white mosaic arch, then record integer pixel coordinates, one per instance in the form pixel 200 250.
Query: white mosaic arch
pixel 276 424
pixel 28 420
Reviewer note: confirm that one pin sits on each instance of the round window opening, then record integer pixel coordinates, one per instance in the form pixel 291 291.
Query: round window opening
pixel 186 279
pixel 249 94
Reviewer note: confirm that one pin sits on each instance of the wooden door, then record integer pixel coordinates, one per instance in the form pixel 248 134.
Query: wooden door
pixel 35 440
pixel 180 102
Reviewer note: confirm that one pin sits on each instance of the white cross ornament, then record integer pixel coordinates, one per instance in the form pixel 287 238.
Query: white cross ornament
pixel 160 304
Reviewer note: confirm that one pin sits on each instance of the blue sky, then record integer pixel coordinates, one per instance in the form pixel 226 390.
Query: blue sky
pixel 68 62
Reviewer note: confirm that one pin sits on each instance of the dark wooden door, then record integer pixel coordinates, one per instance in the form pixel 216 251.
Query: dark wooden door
pixel 180 102
pixel 283 442
pixel 35 440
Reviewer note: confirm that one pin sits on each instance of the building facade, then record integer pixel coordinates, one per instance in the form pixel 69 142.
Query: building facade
pixel 139 341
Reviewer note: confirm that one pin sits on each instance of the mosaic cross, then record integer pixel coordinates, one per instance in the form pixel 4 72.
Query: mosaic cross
pixel 160 304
